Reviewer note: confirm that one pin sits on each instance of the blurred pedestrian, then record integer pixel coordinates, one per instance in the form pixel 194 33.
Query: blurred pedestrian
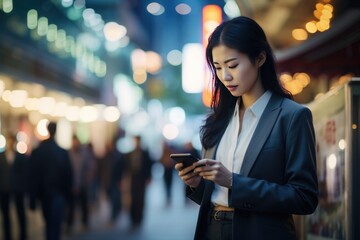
pixel 13 186
pixel 138 164
pixel 168 165
pixel 79 198
pixel 93 178
pixel 113 188
pixel 51 180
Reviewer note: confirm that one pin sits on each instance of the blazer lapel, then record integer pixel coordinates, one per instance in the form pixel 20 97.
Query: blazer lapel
pixel 209 186
pixel 208 153
pixel 261 133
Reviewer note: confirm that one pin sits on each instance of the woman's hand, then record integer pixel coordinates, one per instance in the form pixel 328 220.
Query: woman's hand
pixel 214 171
pixel 187 175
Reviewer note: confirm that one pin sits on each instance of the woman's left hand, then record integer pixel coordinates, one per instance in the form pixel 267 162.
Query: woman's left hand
pixel 214 171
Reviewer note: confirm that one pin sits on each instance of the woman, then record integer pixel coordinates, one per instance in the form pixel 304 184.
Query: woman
pixel 258 163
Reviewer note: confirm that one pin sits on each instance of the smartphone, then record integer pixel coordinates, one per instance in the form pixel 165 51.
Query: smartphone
pixel 186 158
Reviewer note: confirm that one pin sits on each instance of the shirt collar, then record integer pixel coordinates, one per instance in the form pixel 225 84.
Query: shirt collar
pixel 258 106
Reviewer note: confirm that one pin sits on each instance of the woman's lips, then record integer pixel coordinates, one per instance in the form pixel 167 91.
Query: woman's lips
pixel 231 87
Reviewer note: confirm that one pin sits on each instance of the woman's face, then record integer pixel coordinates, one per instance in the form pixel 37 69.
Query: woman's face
pixel 236 72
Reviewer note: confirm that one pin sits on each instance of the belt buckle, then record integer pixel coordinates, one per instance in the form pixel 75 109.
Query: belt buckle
pixel 216 217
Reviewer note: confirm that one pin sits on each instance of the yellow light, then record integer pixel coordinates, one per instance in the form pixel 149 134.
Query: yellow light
pixel 46 105
pixel 331 161
pixel 153 62
pixel 114 31
pixel 140 76
pixel 317 14
pixel 18 98
pixel 329 7
pixel 319 6
pixel 138 59
pixel 302 78
pixel 294 87
pixel 285 77
pixel 88 114
pixel 41 128
pixel 326 13
pixel 111 114
pixel 21 147
pixel 60 109
pixel 6 95
pixel 322 26
pixel 31 104
pixel 311 27
pixel 72 113
pixel 342 144
pixel 299 34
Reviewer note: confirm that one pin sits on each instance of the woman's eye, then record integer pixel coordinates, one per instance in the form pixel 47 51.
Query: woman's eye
pixel 234 66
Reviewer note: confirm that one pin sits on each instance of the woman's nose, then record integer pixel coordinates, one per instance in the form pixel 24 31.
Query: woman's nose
pixel 227 76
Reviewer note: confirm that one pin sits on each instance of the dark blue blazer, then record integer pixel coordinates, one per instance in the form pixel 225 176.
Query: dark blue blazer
pixel 277 178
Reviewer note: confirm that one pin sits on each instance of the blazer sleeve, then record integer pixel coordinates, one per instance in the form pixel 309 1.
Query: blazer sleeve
pixel 196 194
pixel 294 190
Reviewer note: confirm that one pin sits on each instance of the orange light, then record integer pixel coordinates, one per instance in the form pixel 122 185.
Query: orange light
pixel 212 13
pixel 212 17
pixel 207 97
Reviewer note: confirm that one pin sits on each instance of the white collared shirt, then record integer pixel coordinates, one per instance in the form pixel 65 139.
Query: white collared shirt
pixel 232 147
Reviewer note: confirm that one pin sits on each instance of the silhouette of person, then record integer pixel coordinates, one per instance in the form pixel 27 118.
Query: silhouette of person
pixel 113 189
pixel 51 180
pixel 81 167
pixel 138 164
pixel 168 165
pixel 13 183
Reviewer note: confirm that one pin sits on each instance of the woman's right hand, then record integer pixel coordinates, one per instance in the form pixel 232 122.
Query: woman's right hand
pixel 188 176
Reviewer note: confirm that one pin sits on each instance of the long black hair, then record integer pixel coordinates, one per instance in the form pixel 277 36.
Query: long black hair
pixel 246 36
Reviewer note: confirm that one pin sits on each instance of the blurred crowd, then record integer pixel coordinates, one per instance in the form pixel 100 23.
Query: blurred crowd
pixel 67 185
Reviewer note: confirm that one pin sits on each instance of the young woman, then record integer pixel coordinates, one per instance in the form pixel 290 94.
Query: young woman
pixel 258 163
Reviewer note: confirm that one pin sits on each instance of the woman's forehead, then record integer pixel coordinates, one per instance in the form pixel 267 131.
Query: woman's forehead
pixel 222 53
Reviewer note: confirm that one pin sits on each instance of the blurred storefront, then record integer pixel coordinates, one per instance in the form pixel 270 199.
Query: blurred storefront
pixel 50 72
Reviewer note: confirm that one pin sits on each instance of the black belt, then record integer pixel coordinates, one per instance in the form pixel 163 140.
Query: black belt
pixel 221 215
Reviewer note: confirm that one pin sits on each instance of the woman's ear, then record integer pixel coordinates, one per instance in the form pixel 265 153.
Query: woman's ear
pixel 261 59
